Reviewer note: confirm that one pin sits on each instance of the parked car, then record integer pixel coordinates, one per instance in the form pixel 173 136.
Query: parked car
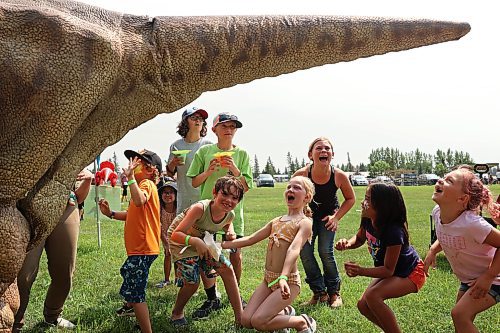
pixel 264 179
pixel 358 180
pixel 427 179
pixel 382 179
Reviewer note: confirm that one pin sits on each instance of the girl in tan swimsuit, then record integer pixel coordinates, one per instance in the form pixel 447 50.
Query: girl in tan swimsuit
pixel 269 308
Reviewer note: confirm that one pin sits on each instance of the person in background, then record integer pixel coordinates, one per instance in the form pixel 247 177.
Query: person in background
pixel 123 182
pixel 60 248
pixel 327 212
pixel 167 191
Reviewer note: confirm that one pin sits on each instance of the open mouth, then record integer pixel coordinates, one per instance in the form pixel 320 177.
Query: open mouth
pixel 290 197
pixel 323 158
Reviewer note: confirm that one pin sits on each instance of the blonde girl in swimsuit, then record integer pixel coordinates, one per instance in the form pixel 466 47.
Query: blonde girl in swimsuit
pixel 269 308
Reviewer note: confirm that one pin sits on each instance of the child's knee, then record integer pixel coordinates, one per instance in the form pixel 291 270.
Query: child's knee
pixel 460 313
pixel 246 320
pixel 259 323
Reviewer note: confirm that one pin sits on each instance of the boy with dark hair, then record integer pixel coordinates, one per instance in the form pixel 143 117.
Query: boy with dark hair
pixel 210 163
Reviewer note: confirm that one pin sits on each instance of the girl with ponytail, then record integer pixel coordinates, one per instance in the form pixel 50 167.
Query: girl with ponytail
pixel 469 243
pixel 269 308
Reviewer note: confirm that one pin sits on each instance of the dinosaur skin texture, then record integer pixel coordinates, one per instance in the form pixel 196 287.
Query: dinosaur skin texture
pixel 66 67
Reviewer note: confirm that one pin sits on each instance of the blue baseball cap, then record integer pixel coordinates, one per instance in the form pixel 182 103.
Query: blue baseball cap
pixel 192 110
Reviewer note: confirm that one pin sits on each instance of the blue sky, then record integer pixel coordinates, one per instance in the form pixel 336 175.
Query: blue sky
pixel 435 97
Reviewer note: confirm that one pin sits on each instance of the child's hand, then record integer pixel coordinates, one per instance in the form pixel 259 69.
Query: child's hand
pixel 230 235
pixel 429 261
pixel 341 245
pixel 176 161
pixel 214 166
pixel 481 286
pixel 332 222
pixel 104 207
pixel 202 249
pixel 226 244
pixel 84 175
pixel 351 268
pixel 285 289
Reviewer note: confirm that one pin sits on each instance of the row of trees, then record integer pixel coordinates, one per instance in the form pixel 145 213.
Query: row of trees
pixel 383 161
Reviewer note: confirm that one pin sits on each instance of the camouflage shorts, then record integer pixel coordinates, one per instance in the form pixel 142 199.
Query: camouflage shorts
pixel 135 271
pixel 187 270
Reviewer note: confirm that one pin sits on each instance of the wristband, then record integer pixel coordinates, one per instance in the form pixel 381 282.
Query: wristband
pixel 281 277
pixel 132 181
pixel 186 240
pixel 112 215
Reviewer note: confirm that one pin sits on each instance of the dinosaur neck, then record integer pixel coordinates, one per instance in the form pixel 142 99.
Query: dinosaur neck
pixel 209 53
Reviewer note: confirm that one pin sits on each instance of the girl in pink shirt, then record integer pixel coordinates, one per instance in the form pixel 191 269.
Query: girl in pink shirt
pixel 469 242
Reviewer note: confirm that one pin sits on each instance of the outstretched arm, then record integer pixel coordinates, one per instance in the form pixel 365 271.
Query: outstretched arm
pixel 256 237
pixel 382 272
pixel 353 243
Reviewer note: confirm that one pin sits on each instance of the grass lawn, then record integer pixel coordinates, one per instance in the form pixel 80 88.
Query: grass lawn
pixel 95 297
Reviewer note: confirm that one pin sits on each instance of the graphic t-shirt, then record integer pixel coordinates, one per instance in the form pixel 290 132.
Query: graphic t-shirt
pixel 377 246
pixel 462 242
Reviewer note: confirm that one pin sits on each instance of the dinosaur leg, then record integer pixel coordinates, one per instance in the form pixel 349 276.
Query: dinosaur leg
pixel 14 238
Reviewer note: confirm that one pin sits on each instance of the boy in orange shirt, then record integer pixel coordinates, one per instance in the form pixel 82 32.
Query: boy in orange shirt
pixel 142 232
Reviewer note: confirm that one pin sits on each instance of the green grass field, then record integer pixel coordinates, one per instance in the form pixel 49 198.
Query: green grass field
pixel 95 297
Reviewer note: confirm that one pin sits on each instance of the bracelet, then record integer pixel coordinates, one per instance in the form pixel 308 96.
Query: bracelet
pixel 281 277
pixel 112 215
pixel 132 181
pixel 186 240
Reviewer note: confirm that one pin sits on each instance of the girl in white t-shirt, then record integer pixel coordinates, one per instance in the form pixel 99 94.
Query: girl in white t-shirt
pixel 469 243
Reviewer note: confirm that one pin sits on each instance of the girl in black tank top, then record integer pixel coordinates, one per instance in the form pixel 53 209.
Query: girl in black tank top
pixel 325 201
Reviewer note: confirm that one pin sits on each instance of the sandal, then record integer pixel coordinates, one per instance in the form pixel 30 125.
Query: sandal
pixel 289 311
pixel 311 324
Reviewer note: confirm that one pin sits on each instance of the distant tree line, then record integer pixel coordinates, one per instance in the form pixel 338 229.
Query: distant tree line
pixel 383 161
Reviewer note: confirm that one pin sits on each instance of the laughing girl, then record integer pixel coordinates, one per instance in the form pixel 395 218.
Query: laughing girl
pixel 269 308
pixel 469 243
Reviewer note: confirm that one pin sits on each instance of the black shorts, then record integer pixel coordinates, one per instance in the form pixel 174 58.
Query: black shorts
pixel 124 187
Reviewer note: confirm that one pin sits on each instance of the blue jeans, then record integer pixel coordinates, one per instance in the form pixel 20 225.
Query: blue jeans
pixel 330 280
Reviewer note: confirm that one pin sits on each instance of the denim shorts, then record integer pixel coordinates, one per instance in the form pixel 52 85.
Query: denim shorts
pixel 494 290
pixel 135 271
pixel 187 270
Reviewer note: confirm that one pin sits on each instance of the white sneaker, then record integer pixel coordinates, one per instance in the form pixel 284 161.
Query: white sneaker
pixel 62 324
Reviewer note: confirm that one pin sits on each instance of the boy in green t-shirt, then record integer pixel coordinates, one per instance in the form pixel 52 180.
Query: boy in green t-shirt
pixel 209 164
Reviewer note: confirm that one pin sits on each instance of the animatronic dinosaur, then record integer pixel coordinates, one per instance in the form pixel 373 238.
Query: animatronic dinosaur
pixel 66 68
